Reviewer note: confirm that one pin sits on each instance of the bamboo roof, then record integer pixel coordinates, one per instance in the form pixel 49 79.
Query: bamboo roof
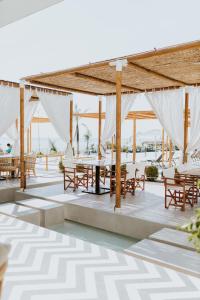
pixel 165 68
pixel 37 87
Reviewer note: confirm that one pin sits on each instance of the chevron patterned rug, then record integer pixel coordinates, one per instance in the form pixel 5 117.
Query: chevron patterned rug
pixel 45 265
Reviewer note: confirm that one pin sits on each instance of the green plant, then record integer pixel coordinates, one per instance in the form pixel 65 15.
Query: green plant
pixel 52 146
pixel 61 166
pixel 193 227
pixel 151 173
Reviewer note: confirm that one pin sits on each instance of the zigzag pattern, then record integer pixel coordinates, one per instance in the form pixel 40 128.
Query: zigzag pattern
pixel 44 265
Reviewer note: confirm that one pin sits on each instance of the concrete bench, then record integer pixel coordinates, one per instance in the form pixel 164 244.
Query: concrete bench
pixel 173 237
pixel 178 259
pixel 21 212
pixel 50 213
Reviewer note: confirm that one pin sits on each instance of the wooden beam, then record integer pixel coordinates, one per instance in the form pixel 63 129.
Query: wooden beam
pixel 186 125
pixel 118 138
pixel 99 128
pixel 22 162
pixel 71 122
pixel 33 87
pixel 134 139
pixel 105 81
pixel 40 120
pixel 155 73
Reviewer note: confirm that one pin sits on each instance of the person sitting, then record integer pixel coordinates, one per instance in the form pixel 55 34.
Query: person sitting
pixel 9 148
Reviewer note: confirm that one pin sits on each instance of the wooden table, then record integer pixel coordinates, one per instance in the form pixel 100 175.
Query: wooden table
pixel 97 189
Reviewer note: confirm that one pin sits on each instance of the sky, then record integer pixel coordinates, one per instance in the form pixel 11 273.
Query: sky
pixel 76 32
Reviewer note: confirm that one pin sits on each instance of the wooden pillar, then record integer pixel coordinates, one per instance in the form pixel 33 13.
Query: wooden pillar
pixel 28 141
pixel 170 153
pixel 112 147
pixel 134 139
pixel 166 154
pixel 30 138
pixel 186 125
pixel 163 146
pixel 118 139
pixel 22 162
pixel 99 128
pixel 16 124
pixel 71 122
pixel 119 64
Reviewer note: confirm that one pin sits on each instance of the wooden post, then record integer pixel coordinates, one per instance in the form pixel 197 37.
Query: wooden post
pixel 112 147
pixel 28 141
pixel 71 122
pixel 22 162
pixel 118 138
pixel 30 138
pixel 134 139
pixel 99 129
pixel 166 154
pixel 170 153
pixel 163 146
pixel 186 125
pixel 17 125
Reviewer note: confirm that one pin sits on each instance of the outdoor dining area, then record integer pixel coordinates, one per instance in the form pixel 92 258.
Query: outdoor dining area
pixel 120 82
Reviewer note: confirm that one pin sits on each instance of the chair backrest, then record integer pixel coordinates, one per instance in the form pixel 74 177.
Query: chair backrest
pixel 140 168
pixel 130 168
pixel 30 161
pixel 5 161
pixel 169 173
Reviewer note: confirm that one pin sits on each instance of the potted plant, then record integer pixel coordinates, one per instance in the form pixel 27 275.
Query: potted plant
pixel 193 227
pixel 61 166
pixel 151 173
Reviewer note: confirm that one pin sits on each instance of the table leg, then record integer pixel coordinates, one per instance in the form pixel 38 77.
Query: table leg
pixel 97 180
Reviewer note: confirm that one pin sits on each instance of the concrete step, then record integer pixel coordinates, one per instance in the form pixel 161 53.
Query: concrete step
pixel 178 259
pixel 23 213
pixel 50 213
pixel 173 237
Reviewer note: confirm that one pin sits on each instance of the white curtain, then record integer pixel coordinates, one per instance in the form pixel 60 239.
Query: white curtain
pixel 194 103
pixel 169 108
pixel 9 107
pixel 57 108
pixel 110 121
pixel 29 111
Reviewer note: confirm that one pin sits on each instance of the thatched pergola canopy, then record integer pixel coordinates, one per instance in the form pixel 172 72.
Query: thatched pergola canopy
pixel 39 88
pixel 165 68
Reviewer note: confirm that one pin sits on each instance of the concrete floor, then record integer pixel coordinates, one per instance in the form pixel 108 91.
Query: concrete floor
pixel 140 215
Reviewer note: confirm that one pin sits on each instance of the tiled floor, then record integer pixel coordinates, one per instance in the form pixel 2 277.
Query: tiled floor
pixel 43 177
pixel 44 265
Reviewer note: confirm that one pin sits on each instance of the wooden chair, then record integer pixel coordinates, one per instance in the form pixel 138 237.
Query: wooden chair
pixel 130 178
pixel 82 175
pixel 8 167
pixel 30 162
pixel 180 191
pixel 70 179
pixel 123 182
pixel 140 176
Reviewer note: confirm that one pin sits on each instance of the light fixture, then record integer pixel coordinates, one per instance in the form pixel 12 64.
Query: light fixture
pixel 34 96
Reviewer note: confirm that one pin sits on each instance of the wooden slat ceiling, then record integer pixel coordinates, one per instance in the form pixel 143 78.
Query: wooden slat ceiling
pixel 165 68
